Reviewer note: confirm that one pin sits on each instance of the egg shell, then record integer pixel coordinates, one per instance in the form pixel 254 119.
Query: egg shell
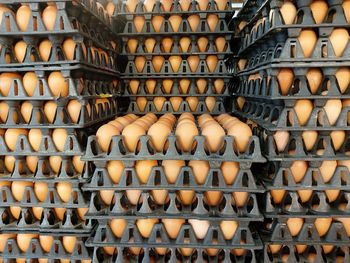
pixel 173 226
pixel 133 196
pixel 241 134
pixel 184 85
pixel 6 80
pixel 58 84
pixel 343 78
pixel 213 198
pixel 186 197
pixel 200 227
pixel 15 211
pixel 294 225
pixel 229 171
pixel 18 188
pixel 304 195
pixel 157 22
pixel 45 48
pixel 59 137
pixel 35 138
pixel 150 85
pixel 307 40
pixel 38 211
pixel 160 196
pixel 118 226
pixel 3 240
pixel 157 62
pixel 285 80
pixel 23 15
pixel 49 16
pixel 104 136
pixel 9 162
pixel 185 135
pixel 288 12
pixel 339 39
pixel 46 242
pixel 143 169
pixel 145 226
pixel 214 135
pixel 172 169
pixel 141 103
pixel 193 62
pixel 303 109
pixel 314 77
pixel 240 198
pixel 212 62
pixel 50 109
pixel 41 190
pixel 309 139
pixel 107 196
pixel 69 243
pixel 322 225
pixel 69 46
pixel 139 22
pixel 55 163
pixel 200 170
pixel 23 240
pixel 298 170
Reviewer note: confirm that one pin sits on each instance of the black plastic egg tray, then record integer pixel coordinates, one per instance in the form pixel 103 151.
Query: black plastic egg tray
pixel 173 255
pixel 253 35
pixel 184 107
pixel 316 206
pixel 69 15
pixel 244 180
pixel 295 149
pixel 279 176
pixel 289 253
pixel 176 50
pixel 244 237
pixel 44 172
pixel 175 90
pixel 48 223
pixel 119 151
pixel 184 29
pixel 122 208
pixel 122 9
pixel 12 251
pixel 166 71
pixel 268 88
pixel 279 232
pixel 275 115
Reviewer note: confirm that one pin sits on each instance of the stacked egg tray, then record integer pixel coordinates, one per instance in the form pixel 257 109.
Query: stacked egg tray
pixel 160 244
pixel 59 78
pixel 175 60
pixel 306 177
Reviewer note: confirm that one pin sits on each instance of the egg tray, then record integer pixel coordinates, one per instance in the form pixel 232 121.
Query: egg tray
pixel 244 180
pixel 77 199
pixel 184 28
pixel 69 15
pixel 279 53
pixel 12 251
pixel 175 90
pixel 279 176
pixel 279 232
pixel 273 22
pixel 244 237
pixel 250 8
pixel 49 223
pixel 317 206
pixel 167 72
pixel 120 152
pixel 44 172
pixel 201 108
pixel 276 116
pixel 269 89
pixel 62 118
pixel 146 207
pixel 173 255
pixel 293 256
pixel 193 49
pixel 122 10
pixel 300 152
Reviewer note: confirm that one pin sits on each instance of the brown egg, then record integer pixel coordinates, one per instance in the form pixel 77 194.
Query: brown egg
pixel 173 226
pixel 118 226
pixel 240 198
pixel 159 133
pixel 185 136
pixel 105 134
pixel 309 138
pixel 30 82
pixel 110 7
pixel 327 170
pixel 172 169
pixel 185 4
pixel 10 164
pixel 274 249
pixel 229 171
pixel 69 46
pixel 214 135
pixel 131 134
pixel 11 137
pixel 157 62
pixel 50 109
pixel 107 196
pixel 298 170
pixel 32 163
pixel 343 78
pixel 185 43
pixel 288 12
pixel 338 138
pixel 45 48
pixel 150 43
pixel 4 111
pixel 141 103
pixel 210 103
pixel 193 21
pixel 64 190
pixel 115 170
pixel 281 139
pixel 212 20
pixel 139 22
pixel 20 50
pixel 220 44
pixel 74 109
pixel 200 227
pixel 143 169
pixel 23 16
pixel 346 224
pixel 176 103
pixel 200 170
pixel 219 86
pixel 314 77
pixel 69 243
pixel 41 190
pixel 303 110
pixel 145 226
pixel 319 10
pixel 58 85
pixel 228 229
pixel 132 45
pixel 55 163
pixel 82 212
pixel 131 5
pixel 157 22
pixel 175 63
pixel 159 103
pixel 6 80
pixel 241 133
pixel 15 211
pixel 59 137
pixel 333 109
pixel 295 225
pixel 213 198
pixel 322 225
pixel 175 22
pixel 3 240
pixel 307 40
pixel 49 16
pixel 304 195
pixel 339 39
pixel 193 62
pixel 46 242
pixel 192 103
pixel 346 8
pixel 186 197
pixel 24 240
pixel 35 138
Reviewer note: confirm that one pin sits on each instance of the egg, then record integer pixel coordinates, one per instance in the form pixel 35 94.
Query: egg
pixel 46 242
pixel 288 12
pixel 115 170
pixel 285 79
pixel 82 212
pixel 339 39
pixel 64 190
pixel 303 109
pixel 172 169
pixel 322 225
pixel 240 198
pixel 35 138
pixel 338 139
pixel 157 22
pixel 343 78
pixel 118 226
pixel 185 43
pixel 74 109
pixel 11 137
pixel 4 111
pixel 298 170
pixel 107 196
pixel 24 240
pixel 10 161
pixel 49 16
pixel 175 22
pixel 15 211
pixel 139 22
pixel 176 103
pixel 50 109
pixel 6 80
pixel 140 63
pixel 69 243
pixel 20 50
pixel 60 212
pixel 45 48
pixel 3 240
pixel 145 226
pixel 213 198
pixel 173 226
pixel 159 133
pixel 281 139
pixel 131 135
pixel 346 9
pixel 185 4
pixel 314 77
pixel 105 134
pixel 23 16
pixel 41 190
pixel 185 134
pixel 58 85
pixel 69 46
pixel 200 170
pixel 307 40
pixel 143 169
pixel 193 62
pixel 228 229
pixel 309 139
pixel 241 133
pixel 159 103
pixel 55 163
pixel 346 224
pixel 332 109
pixel 132 45
pixel 229 171
pixel 30 82
pixel 295 225
pixel 157 62
pixel 319 10
pixel 59 137
pixel 200 227
pixel 186 197
pixel 133 196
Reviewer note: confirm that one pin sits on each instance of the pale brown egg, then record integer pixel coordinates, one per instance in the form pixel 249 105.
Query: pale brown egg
pixel 110 7
pixel 115 170
pixel 221 44
pixel 35 138
pixel 304 195
pixel 193 62
pixel 185 134
pixel 24 240
pixel 214 135
pixel 193 21
pixel 319 10
pixel 339 39
pixel 175 22
pixel 229 171
pixel 74 109
pixel 105 134
pixel 6 80
pixel 118 226
pixel 41 190
pixel 139 22
pixel 176 103
pixel 59 137
pixel 186 197
pixel 132 45
pixel 343 78
pixel 64 190
pixel 298 170
pixel 46 242
pixel 228 229
pixel 241 133
pixel 45 48
pixel 185 43
pixel 37 212
pixel 11 137
pixel 288 12
pixel 346 8
pixel 200 170
pixel 159 103
pixel 307 40
pixel 131 134
pixel 338 138
pixel 55 163
pixel 50 109
pixel 69 243
pixel 23 16
pixel 295 225
pixel 333 109
pixel 213 198
pixel 4 111
pixel 175 63
pixel 303 110
pixel 58 85
pixel 32 163
pixel 20 50
pixel 240 198
pixel 140 63
pixel 172 169
pixel 82 212
pixel 309 138
pixel 322 225
pixel 49 16
pixel 15 211
pixel 281 139
pixel 145 226
pixel 200 227
pixel 173 226
pixel 212 20
pixel 184 85
pixel 30 82
pixel 157 22
pixel 157 62
pixel 314 77
pixel 185 4
pixel 143 169
pixel 9 162
pixel 69 46
pixel 241 64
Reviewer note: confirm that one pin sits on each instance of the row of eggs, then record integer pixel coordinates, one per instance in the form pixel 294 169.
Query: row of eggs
pixel 184 86
pixel 184 44
pixel 175 103
pixel 175 63
pixel 168 5
pixel 158 21
pixel 24 15
pixel 185 127
pixel 69 47
pixel 74 108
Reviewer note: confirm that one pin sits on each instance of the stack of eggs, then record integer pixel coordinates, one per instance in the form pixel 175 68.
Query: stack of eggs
pixel 294 76
pixel 176 51
pixel 173 180
pixel 57 76
pixel 174 189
